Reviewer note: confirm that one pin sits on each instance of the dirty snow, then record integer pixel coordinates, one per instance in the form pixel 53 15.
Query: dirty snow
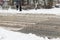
pixel 10 35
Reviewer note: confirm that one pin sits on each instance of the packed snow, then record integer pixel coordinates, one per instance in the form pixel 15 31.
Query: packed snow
pixel 10 35
pixel 33 11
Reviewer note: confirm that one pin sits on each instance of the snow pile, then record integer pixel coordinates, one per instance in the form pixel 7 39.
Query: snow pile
pixel 10 35
pixel 43 11
pixel 13 11
pixel 33 11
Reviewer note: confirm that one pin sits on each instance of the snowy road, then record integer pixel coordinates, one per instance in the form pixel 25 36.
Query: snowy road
pixel 10 35
pixel 39 24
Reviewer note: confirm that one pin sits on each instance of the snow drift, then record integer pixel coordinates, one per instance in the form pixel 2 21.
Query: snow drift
pixel 10 35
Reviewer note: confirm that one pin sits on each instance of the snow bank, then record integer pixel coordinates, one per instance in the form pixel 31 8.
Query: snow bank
pixel 33 11
pixel 43 11
pixel 13 11
pixel 10 35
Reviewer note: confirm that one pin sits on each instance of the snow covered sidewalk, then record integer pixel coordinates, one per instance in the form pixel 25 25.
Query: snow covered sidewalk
pixel 10 35
pixel 33 11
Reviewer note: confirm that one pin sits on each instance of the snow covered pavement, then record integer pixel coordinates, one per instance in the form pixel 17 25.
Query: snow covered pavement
pixel 10 35
pixel 33 11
